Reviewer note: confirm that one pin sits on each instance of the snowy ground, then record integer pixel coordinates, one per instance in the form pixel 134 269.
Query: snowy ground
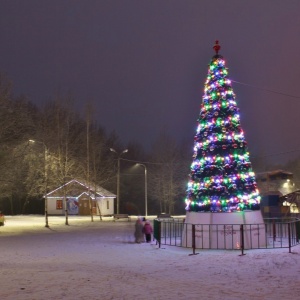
pixel 100 260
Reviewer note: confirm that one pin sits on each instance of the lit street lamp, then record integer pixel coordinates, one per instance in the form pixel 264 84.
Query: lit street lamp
pixel 118 176
pixel 146 204
pixel 45 178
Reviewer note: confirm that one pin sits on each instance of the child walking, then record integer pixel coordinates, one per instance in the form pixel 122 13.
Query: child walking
pixel 147 230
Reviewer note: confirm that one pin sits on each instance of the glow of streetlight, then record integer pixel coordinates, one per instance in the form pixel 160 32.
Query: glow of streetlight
pixel 118 176
pixel 45 178
pixel 146 200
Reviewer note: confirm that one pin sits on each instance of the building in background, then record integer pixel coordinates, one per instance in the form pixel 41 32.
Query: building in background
pixel 279 193
pixel 79 195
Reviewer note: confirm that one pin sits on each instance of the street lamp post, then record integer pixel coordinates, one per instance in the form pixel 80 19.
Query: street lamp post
pixel 118 176
pixel 146 204
pixel 45 178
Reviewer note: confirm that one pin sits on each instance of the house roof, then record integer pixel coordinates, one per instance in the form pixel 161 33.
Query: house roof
pixel 75 188
pixel 274 172
pixel 292 198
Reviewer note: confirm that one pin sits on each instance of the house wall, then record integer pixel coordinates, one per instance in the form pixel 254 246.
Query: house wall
pixel 52 210
pixel 72 206
pixel 275 181
pixel 270 206
pixel 106 206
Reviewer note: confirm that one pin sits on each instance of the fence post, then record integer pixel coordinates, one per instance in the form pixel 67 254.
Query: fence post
pixel 159 234
pixel 297 224
pixel 157 231
pixel 194 239
pixel 242 239
pixel 289 234
pixel 274 231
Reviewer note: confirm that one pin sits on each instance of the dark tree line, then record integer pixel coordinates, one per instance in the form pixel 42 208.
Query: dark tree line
pixel 43 148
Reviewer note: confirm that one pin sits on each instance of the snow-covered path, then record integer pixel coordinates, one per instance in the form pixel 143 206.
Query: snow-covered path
pixel 100 260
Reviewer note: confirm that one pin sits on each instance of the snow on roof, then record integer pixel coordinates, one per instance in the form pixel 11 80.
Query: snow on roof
pixel 274 172
pixel 75 188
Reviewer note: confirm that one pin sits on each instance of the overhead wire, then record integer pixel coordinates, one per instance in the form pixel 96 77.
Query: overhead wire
pixel 256 156
pixel 267 90
pixel 274 154
pixel 274 92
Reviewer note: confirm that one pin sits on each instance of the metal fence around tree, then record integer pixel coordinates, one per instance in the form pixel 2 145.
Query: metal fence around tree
pixel 273 233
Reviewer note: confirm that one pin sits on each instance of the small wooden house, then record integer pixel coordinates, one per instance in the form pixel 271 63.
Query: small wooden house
pixel 76 196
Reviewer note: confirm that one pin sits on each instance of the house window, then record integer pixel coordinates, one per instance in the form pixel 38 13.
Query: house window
pixel 59 204
pixel 294 209
pixel 107 204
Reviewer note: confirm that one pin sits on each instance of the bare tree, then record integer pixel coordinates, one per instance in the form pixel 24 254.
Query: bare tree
pixel 168 174
pixel 16 124
pixel 62 135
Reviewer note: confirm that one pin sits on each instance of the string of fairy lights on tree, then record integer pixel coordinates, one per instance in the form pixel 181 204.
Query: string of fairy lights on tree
pixel 221 176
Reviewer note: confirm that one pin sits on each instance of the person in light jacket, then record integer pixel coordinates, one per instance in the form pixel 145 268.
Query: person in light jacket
pixel 138 233
pixel 147 230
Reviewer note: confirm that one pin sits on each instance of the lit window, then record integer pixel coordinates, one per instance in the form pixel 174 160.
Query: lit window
pixel 294 209
pixel 59 204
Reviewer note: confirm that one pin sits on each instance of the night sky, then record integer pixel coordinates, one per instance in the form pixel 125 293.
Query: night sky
pixel 143 63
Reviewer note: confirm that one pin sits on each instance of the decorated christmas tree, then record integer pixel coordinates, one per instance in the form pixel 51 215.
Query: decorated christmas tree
pixel 221 177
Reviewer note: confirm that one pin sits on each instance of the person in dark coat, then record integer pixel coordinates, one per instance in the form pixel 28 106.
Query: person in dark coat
pixel 138 232
pixel 147 230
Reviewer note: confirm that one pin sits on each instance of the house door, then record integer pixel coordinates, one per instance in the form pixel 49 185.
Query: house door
pixel 84 207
